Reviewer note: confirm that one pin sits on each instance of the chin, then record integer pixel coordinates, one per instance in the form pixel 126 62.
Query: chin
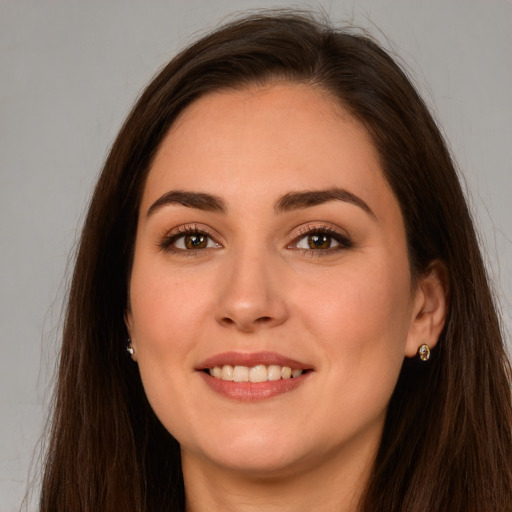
pixel 253 454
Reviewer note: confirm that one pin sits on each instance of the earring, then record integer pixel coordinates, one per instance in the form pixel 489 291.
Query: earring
pixel 424 352
pixel 130 350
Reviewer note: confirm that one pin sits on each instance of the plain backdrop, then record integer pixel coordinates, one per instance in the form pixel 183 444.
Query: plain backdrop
pixel 69 73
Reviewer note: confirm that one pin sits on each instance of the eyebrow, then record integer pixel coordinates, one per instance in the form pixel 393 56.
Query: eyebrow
pixel 198 200
pixel 299 200
pixel 288 202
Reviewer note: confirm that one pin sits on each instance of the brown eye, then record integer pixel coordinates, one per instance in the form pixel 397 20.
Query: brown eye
pixel 319 241
pixel 195 241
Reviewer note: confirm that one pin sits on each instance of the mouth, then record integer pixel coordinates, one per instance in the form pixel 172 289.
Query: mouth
pixel 256 376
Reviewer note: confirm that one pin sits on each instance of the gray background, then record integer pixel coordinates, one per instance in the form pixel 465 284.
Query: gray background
pixel 69 73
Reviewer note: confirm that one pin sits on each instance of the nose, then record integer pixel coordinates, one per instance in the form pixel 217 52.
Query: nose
pixel 252 295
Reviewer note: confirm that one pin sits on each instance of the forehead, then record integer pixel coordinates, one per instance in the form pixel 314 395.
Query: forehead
pixel 266 141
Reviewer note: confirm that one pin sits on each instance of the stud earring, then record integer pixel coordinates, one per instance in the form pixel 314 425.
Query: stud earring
pixel 424 352
pixel 130 350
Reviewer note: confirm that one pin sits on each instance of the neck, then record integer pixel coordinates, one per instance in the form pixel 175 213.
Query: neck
pixel 333 484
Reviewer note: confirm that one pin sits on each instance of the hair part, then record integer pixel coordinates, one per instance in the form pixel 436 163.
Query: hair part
pixel 447 440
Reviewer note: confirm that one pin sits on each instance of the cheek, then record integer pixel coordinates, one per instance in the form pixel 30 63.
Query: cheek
pixel 171 310
pixel 361 328
pixel 166 305
pixel 361 319
pixel 357 300
pixel 167 315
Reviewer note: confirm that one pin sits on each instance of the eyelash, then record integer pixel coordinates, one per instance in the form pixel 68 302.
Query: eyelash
pixel 343 241
pixel 168 241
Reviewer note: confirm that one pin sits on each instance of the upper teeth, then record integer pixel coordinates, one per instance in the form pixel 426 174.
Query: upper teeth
pixel 258 373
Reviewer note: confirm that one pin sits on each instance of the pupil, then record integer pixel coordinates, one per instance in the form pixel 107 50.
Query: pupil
pixel 319 242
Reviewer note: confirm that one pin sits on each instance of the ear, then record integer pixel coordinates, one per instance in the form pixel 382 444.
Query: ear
pixel 128 320
pixel 430 309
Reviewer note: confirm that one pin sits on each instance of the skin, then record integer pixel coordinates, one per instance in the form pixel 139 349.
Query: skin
pixel 351 311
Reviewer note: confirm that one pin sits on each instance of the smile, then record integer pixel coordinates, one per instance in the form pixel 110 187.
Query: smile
pixel 257 373
pixel 253 376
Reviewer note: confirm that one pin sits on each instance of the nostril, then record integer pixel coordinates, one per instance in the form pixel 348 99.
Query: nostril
pixel 263 320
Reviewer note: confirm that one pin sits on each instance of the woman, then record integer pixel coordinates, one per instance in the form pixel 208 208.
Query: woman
pixel 280 241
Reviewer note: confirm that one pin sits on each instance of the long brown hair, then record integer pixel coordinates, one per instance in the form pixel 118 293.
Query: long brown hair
pixel 447 442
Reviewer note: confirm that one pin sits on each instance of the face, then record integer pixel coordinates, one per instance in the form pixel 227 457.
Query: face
pixel 270 243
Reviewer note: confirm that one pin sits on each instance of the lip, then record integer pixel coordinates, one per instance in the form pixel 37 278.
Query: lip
pixel 252 391
pixel 251 359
